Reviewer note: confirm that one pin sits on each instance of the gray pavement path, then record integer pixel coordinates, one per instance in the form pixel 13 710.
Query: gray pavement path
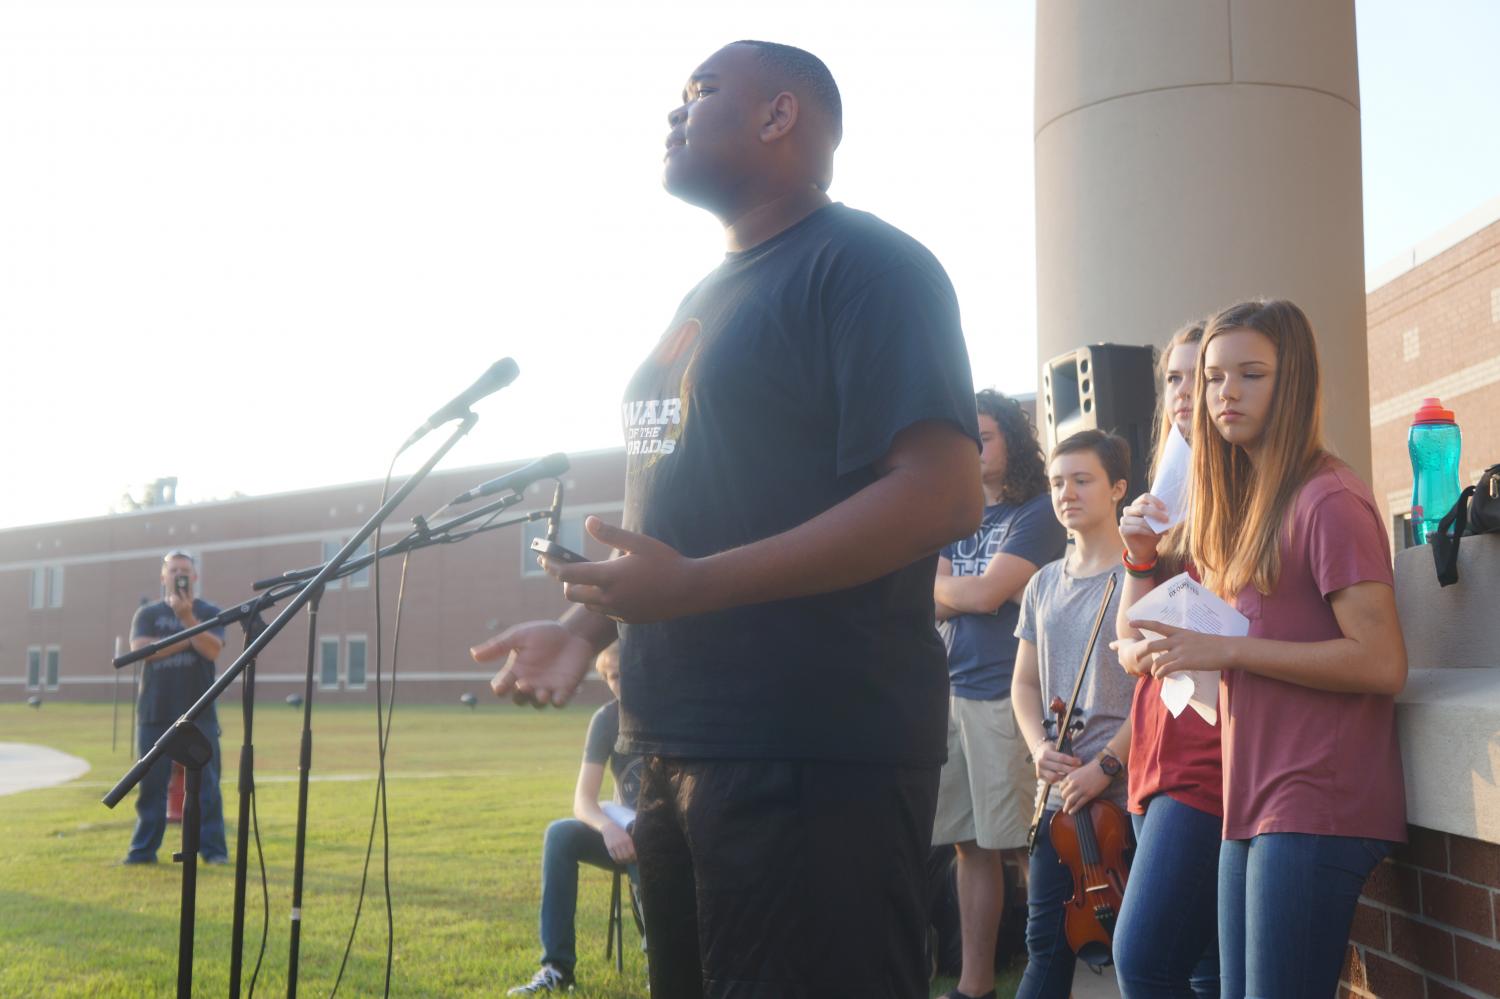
pixel 1087 985
pixel 24 766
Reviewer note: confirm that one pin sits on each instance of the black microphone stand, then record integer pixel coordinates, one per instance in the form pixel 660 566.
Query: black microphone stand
pixel 178 744
pixel 186 744
pixel 253 624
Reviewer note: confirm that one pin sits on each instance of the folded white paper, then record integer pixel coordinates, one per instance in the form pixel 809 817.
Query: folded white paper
pixel 1185 603
pixel 618 813
pixel 1171 482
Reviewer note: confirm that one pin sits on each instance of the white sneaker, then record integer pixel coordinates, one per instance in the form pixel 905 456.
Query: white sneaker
pixel 547 979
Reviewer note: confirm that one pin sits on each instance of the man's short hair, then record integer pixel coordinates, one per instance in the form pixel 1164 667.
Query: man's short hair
pixel 803 67
pixel 178 553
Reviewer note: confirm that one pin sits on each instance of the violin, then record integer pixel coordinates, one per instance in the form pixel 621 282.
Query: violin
pixel 1092 844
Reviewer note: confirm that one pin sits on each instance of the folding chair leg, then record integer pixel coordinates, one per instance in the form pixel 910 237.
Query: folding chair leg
pixel 614 934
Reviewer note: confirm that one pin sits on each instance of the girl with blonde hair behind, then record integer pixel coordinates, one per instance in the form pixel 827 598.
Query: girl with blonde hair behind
pixel 1165 946
pixel 1288 533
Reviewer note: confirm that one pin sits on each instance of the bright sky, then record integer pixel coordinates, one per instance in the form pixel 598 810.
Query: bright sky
pixel 253 244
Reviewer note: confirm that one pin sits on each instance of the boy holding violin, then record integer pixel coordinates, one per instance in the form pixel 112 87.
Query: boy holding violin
pixel 1087 476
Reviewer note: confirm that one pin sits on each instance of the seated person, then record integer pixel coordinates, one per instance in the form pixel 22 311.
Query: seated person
pixel 598 835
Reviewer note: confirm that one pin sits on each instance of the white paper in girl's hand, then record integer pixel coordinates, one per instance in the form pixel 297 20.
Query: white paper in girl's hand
pixel 618 814
pixel 1196 690
pixel 1171 482
pixel 1183 602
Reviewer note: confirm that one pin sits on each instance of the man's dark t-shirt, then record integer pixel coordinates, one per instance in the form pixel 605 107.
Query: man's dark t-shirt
pixel 171 685
pixel 599 747
pixel 785 375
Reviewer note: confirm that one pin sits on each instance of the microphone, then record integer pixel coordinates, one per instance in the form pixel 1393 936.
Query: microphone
pixel 549 467
pixel 501 374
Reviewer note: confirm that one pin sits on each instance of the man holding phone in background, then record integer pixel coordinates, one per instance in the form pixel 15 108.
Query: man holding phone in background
pixel 174 678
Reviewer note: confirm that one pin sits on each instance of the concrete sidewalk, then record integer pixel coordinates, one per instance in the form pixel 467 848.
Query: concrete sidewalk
pixel 1087 985
pixel 24 767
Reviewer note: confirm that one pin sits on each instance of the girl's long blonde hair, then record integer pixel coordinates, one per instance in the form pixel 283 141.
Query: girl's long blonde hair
pixel 1239 510
pixel 1172 545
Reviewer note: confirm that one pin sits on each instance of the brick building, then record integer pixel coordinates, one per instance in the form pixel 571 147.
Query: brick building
pixel 1429 922
pixel 1434 330
pixel 68 590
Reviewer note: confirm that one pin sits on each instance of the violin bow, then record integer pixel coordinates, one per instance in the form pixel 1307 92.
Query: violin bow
pixel 1043 787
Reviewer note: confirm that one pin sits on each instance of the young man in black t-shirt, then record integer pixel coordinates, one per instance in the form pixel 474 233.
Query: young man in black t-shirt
pixel 800 443
pixel 598 834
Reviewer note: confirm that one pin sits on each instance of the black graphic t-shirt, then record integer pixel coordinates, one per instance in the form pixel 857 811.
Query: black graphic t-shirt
pixel 785 375
pixel 599 747
pixel 172 684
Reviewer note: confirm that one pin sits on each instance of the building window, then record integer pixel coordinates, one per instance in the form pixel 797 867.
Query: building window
pixel 34 668
pixel 361 579
pixel 569 535
pixel 328 663
pixel 54 655
pixel 355 679
pixel 46 587
pixel 1411 344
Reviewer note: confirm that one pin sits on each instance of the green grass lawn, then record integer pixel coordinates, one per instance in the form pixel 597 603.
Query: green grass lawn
pixel 470 793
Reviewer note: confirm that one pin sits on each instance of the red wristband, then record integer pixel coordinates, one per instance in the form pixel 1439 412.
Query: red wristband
pixel 1133 567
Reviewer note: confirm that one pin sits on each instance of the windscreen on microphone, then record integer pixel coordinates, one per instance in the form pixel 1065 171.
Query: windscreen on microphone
pixel 499 375
pixel 549 467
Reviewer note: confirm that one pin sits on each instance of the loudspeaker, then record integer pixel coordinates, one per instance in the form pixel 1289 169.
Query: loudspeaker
pixel 1104 386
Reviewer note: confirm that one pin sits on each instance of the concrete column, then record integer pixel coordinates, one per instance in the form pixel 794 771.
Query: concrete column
pixel 1194 153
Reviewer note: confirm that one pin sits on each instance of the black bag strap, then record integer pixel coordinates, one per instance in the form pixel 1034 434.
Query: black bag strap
pixel 1484 508
pixel 1444 544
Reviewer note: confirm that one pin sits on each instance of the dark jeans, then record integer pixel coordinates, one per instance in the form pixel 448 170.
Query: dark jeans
pixel 151 799
pixel 1050 962
pixel 568 843
pixel 785 879
pixel 1165 944
pixel 1286 902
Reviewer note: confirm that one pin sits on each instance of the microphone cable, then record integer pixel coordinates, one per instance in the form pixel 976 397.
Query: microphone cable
pixel 265 893
pixel 380 814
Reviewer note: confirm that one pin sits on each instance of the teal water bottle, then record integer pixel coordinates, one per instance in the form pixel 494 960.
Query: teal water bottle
pixel 1434 443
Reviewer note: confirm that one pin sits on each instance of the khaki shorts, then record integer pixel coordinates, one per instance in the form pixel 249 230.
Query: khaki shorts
pixel 987 787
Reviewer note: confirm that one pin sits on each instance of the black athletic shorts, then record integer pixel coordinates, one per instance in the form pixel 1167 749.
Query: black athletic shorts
pixel 785 879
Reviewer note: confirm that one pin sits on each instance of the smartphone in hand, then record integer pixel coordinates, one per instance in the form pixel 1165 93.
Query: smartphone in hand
pixel 555 551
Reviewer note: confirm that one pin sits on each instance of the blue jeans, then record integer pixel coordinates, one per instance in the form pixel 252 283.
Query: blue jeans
pixel 1286 902
pixel 1050 962
pixel 151 798
pixel 568 843
pixel 1165 944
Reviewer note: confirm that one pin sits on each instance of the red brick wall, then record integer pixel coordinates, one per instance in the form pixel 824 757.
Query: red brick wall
pixel 1426 927
pixel 1449 304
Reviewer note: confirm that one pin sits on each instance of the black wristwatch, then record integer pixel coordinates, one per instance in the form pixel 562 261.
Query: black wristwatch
pixel 1110 764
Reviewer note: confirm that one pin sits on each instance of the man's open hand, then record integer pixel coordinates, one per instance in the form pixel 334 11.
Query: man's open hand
pixel 546 662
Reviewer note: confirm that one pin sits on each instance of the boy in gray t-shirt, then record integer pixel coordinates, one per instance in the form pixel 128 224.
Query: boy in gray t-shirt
pixel 1066 607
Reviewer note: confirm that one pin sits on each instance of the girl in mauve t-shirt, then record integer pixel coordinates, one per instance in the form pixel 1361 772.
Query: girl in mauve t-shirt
pixel 1313 795
pixel 1164 943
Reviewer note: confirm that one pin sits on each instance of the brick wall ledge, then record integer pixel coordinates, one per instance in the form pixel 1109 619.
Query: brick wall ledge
pixel 1449 724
